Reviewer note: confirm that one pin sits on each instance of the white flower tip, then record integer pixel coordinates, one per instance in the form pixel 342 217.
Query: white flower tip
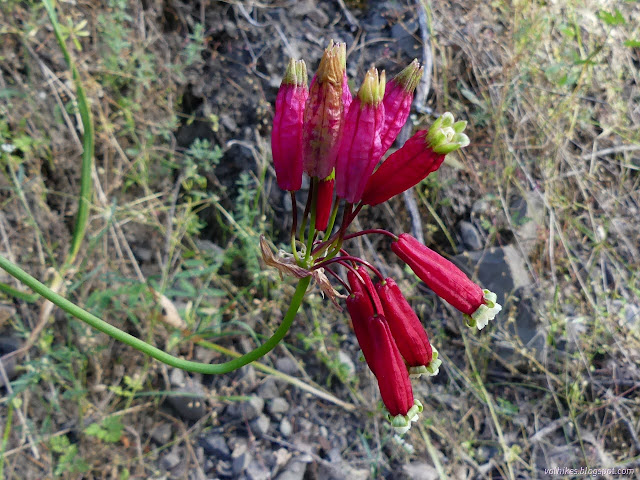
pixel 485 312
pixel 402 423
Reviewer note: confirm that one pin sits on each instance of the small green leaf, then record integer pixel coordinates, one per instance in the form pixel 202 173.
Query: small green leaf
pixel 632 43
pixel 614 18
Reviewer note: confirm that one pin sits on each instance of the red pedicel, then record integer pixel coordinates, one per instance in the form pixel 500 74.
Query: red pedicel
pixel 324 200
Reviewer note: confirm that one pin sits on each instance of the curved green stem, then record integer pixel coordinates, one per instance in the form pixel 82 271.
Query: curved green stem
pixel 150 350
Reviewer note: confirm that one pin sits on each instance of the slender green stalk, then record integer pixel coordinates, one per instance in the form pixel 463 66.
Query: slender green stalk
pixel 150 350
pixel 9 290
pixel 84 199
pixel 5 437
pixel 288 378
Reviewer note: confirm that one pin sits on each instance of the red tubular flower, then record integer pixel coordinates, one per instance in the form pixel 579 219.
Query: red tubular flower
pixel 360 145
pixel 325 112
pixel 381 352
pixel 360 310
pixel 448 281
pixel 397 102
pixel 392 374
pixel 407 330
pixel 420 155
pixel 286 138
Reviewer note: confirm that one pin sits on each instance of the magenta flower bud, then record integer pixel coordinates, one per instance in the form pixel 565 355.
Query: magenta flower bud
pixel 324 113
pixel 360 145
pixel 448 281
pixel 407 330
pixel 286 138
pixel 419 156
pixel 397 102
pixel 324 200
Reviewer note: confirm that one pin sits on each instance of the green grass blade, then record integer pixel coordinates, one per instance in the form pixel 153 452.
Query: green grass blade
pixel 84 200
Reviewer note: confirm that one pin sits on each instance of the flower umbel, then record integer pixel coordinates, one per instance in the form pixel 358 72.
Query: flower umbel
pixel 338 143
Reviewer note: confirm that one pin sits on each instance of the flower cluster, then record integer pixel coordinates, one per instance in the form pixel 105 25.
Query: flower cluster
pixel 338 140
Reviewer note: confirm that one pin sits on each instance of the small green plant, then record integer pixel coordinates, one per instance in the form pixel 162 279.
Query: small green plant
pixel 109 430
pixel 68 462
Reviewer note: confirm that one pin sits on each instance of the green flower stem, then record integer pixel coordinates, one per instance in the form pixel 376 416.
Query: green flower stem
pixel 150 350
pixel 332 219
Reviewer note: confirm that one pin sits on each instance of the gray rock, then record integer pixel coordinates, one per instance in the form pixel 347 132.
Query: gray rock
pixel 470 236
pixel 240 458
pixel 215 445
pixel 257 471
pixel 347 363
pixel 499 269
pixel 286 429
pixel 8 345
pixel 260 425
pixel 177 377
pixel 224 468
pixel 278 406
pixel 403 33
pixel 189 401
pixel 312 11
pixel 375 21
pixel 527 216
pixel 161 434
pixel 228 122
pixel 294 470
pixel 170 461
pixel 269 389
pixel 420 471
pixel 286 365
pixel 628 314
pixel 246 410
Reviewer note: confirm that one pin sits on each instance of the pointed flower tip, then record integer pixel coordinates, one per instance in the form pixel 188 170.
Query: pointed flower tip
pixel 402 423
pixel 445 135
pixel 333 63
pixel 485 312
pixel 372 90
pixel 409 78
pixel 295 74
